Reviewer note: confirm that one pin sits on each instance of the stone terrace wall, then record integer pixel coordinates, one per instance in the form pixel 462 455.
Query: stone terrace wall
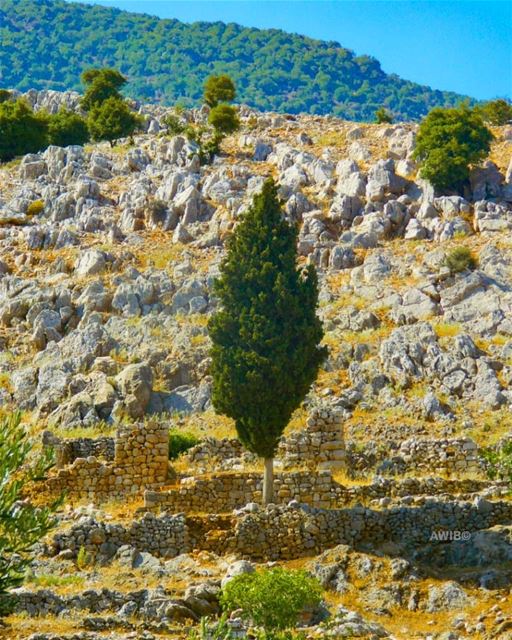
pixel 223 492
pixel 140 462
pixel 283 532
pixel 451 456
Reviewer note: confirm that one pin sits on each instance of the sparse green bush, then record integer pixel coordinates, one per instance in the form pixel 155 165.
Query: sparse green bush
pixel 460 259
pixel 22 524
pixel 83 559
pixel 382 116
pixel 224 119
pixel 448 142
pixel 499 461
pixel 174 125
pixel 35 208
pixel 273 598
pixel 179 442
pixel 496 112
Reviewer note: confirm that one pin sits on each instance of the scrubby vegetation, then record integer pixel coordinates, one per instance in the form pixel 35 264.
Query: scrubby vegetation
pixel 273 598
pixel 179 442
pixel 496 112
pixel 449 142
pixel 169 61
pixel 21 524
pixel 460 259
pixel 109 118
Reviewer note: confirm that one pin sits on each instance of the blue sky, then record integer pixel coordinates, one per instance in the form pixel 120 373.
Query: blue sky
pixel 463 46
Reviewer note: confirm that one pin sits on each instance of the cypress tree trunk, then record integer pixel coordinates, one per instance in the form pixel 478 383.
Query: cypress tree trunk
pixel 268 481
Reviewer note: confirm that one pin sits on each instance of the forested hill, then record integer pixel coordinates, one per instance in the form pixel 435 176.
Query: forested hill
pixel 47 43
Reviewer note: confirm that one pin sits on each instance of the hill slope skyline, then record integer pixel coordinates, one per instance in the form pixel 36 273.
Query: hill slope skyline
pixel 47 44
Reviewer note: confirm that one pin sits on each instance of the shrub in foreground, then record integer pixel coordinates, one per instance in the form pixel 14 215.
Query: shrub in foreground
pixel 273 599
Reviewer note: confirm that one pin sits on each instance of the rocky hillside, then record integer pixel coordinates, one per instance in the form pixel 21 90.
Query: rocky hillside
pixel 107 261
pixel 46 44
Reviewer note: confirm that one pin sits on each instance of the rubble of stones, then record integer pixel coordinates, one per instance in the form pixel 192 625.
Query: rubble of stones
pixel 105 294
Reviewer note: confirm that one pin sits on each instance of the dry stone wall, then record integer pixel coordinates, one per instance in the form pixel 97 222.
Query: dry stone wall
pixel 283 531
pixel 140 461
pixel 450 456
pixel 223 492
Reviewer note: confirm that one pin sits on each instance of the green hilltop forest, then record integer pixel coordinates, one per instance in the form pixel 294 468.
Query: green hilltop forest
pixel 48 43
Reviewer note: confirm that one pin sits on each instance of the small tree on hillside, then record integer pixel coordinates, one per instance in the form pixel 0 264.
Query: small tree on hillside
pixel 219 89
pixel 113 119
pixel 383 116
pixel 224 119
pixel 496 112
pixel 266 352
pixel 21 524
pixel 448 142
pixel 101 84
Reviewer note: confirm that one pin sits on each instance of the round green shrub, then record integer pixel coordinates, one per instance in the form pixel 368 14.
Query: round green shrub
pixel 448 142
pixel 273 598
pixel 179 442
pixel 35 208
pixel 461 259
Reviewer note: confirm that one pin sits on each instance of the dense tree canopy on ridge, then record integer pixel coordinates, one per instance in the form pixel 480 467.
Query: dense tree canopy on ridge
pixel 48 43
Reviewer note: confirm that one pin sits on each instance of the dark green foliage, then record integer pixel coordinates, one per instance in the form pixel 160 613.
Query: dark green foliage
pixel 224 119
pixel 448 142
pixel 219 89
pixel 179 442
pixel 5 95
pixel 21 130
pixel 112 119
pixel 265 353
pixel 460 259
pixel 168 60
pixel 273 598
pixel 21 524
pixel 67 128
pixel 102 84
pixel 496 112
pixel 382 116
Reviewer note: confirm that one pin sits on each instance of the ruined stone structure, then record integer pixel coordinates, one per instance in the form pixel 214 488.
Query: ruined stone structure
pixel 140 461
pixel 223 492
pixel 319 446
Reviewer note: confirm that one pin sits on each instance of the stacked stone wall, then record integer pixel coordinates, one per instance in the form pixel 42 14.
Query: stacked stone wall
pixel 223 492
pixel 140 461
pixel 284 532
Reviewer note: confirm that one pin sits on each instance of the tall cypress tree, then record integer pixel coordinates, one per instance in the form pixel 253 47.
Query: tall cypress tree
pixel 266 335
